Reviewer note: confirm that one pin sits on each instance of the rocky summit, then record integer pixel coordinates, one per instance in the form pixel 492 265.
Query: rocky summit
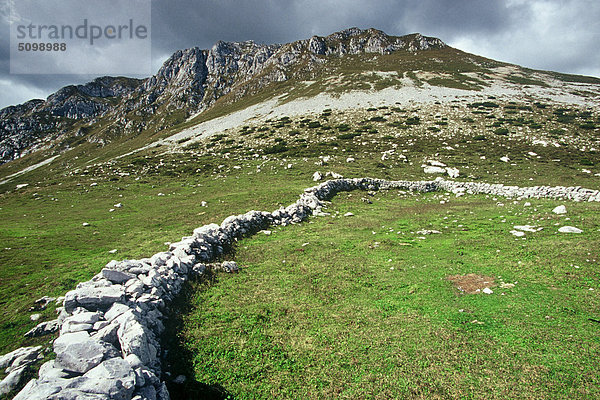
pixel 194 80
pixel 189 82
pixel 117 110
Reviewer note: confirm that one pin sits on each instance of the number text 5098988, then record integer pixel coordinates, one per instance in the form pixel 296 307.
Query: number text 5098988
pixel 42 46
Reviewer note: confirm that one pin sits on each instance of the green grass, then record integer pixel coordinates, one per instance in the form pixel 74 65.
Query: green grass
pixel 360 307
pixel 45 250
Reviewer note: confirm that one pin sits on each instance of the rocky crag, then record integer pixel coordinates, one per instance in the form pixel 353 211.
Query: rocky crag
pixel 24 128
pixel 110 326
pixel 189 82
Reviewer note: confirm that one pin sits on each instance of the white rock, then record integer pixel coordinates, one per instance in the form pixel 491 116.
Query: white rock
pixel 116 310
pixel 569 229
pixel 350 159
pixel 100 325
pixel 11 381
pixel 428 232
pixel 113 378
pixel 22 352
pixel 118 205
pixel 134 361
pixel 79 355
pixel 317 176
pixel 135 287
pixel 50 370
pixel 43 301
pixel 85 224
pixel 43 328
pixel 116 276
pixel 153 279
pixel 34 317
pixel 518 233
pixel 108 333
pixel 348 214
pixel 504 159
pixel 159 259
pixel 433 170
pixel 452 172
pixel 134 340
pixel 38 389
pixel 94 298
pixel 487 290
pixel 526 228
pixel 436 163
pixel 230 266
pixel 86 317
pixel 560 210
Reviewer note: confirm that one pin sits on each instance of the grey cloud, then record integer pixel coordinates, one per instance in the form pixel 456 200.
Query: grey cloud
pixel 558 35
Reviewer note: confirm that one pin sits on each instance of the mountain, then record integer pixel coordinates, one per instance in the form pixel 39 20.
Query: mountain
pixel 110 170
pixel 22 127
pixel 190 81
pixel 194 81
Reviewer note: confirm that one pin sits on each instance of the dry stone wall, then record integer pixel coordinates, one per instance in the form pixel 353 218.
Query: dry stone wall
pixel 109 347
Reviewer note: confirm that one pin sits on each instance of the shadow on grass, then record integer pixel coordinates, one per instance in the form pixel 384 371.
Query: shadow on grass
pixel 179 360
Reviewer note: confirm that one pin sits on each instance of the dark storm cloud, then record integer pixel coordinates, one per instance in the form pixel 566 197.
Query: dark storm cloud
pixel 202 23
pixel 561 35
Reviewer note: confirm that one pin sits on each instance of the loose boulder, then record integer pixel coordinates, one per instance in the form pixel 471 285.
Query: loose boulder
pixel 569 229
pixel 560 210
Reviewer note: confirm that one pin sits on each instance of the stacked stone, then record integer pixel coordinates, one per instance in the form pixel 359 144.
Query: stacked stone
pixel 574 193
pixel 108 347
pixel 15 364
pixel 110 326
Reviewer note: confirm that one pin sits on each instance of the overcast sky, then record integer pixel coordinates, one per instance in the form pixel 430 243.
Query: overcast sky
pixel 557 35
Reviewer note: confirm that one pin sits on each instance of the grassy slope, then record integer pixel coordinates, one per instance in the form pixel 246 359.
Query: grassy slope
pixel 46 250
pixel 359 307
pixel 445 67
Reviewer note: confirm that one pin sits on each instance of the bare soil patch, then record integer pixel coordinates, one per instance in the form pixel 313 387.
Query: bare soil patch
pixel 471 283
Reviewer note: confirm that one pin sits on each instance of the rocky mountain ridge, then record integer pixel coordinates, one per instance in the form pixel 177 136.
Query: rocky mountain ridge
pixel 24 126
pixel 189 82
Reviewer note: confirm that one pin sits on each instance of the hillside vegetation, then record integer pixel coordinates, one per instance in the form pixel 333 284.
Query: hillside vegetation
pixel 391 294
pixel 338 318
